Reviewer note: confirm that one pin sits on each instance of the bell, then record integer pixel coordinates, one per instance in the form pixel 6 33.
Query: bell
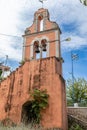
pixel 44 48
pixel 37 50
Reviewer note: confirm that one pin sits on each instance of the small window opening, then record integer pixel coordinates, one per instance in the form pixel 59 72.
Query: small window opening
pixel 40 23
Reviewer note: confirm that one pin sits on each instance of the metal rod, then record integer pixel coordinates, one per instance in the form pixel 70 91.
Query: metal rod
pixel 73 57
pixel 72 75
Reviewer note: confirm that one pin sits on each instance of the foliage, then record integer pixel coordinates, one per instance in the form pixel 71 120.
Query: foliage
pixel 1 75
pixel 75 127
pixel 39 99
pixel 22 62
pixel 20 127
pixel 84 2
pixel 73 124
pixel 0 72
pixel 1 78
pixel 77 93
pixel 8 122
pixel 28 127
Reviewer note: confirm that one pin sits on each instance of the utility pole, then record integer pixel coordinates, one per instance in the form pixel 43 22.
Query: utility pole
pixel 73 57
pixel 6 60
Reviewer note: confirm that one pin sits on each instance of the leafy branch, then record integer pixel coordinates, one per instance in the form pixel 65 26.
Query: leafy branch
pixel 39 99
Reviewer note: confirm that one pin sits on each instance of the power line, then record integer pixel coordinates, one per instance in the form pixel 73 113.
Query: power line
pixel 9 35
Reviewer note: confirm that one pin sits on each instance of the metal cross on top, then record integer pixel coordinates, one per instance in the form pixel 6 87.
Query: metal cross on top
pixel 42 1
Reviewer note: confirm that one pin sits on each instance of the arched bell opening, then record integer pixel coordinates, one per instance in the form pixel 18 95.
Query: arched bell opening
pixel 27 115
pixel 36 50
pixel 40 49
pixel 44 48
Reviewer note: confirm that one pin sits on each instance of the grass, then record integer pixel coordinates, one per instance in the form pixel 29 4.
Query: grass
pixel 20 127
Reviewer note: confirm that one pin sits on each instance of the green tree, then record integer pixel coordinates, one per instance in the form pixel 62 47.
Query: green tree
pixel 0 74
pixel 84 2
pixel 77 92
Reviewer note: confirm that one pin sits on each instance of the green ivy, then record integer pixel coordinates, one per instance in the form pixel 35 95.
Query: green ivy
pixel 39 99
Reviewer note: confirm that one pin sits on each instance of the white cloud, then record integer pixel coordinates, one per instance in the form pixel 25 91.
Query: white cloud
pixel 16 15
pixel 75 43
pixel 10 47
pixel 83 29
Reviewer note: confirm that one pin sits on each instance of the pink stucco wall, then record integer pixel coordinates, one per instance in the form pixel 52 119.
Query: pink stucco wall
pixel 15 91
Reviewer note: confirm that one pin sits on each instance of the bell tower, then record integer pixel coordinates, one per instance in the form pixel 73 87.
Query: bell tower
pixel 41 50
pixel 42 37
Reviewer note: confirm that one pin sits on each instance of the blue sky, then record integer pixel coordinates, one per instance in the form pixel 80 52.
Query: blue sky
pixel 71 16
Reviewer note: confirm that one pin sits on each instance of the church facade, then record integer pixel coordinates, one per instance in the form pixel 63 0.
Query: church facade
pixel 42 69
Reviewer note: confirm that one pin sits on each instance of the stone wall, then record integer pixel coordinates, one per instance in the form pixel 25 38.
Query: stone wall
pixel 79 112
pixel 79 115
